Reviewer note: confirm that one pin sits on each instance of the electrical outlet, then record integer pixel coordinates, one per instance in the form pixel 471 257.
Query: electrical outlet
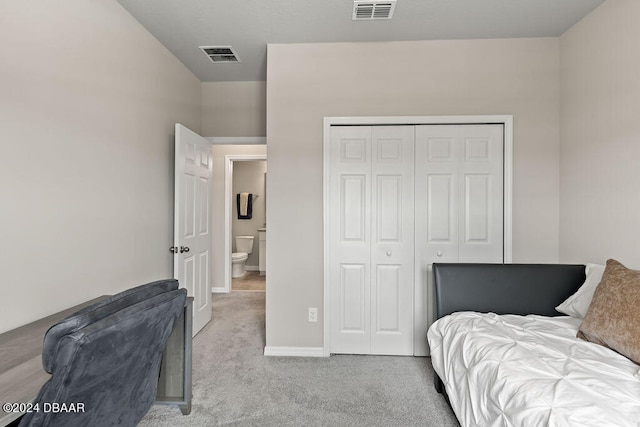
pixel 313 314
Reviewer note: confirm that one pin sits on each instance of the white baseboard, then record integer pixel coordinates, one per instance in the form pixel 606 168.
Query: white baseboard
pixel 294 351
pixel 218 290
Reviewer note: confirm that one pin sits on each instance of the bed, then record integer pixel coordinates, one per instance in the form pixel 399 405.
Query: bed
pixel 505 356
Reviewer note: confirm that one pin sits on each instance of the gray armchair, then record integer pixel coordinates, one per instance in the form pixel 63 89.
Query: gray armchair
pixel 105 359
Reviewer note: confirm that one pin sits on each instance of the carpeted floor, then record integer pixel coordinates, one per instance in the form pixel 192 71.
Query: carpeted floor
pixel 234 384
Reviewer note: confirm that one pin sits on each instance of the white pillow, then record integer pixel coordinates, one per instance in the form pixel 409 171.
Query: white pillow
pixel 577 304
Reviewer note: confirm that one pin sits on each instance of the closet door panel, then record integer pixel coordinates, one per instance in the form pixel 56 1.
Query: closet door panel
pixel 350 231
pixel 389 208
pixel 388 299
pixel 459 205
pixel 392 240
pixel 481 213
pixel 353 192
pixel 353 280
pixel 437 154
pixel 437 161
pixel 439 192
pixel 477 198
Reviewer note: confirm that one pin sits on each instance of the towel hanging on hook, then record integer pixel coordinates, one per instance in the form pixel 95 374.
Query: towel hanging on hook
pixel 244 205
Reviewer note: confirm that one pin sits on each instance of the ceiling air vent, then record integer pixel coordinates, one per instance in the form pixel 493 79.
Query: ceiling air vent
pixel 220 54
pixel 368 10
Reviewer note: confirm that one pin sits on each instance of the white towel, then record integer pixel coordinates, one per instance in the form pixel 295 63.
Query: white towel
pixel 244 202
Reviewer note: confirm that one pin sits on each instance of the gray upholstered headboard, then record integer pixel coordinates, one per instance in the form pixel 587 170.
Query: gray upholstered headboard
pixel 504 288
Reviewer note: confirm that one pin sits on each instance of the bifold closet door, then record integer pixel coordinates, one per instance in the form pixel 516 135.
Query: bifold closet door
pixel 459 204
pixel 372 239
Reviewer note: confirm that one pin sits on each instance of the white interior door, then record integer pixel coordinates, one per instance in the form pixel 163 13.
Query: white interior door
pixel 192 230
pixel 459 205
pixel 371 227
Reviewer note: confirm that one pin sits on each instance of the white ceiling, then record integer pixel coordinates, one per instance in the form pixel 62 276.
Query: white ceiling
pixel 249 25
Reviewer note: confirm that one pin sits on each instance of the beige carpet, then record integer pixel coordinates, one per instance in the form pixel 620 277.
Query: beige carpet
pixel 235 385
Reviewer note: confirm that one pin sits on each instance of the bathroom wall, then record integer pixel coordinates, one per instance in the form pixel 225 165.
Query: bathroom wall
pixel 217 204
pixel 248 177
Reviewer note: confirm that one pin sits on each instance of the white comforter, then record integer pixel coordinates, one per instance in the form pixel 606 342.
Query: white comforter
pixel 531 371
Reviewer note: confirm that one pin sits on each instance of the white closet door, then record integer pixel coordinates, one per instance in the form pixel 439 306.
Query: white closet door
pixel 459 205
pixel 392 240
pixel 436 188
pixel 400 199
pixel 350 231
pixel 371 223
pixel 481 194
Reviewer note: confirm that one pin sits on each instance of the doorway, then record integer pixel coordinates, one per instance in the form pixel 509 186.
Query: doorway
pixel 250 179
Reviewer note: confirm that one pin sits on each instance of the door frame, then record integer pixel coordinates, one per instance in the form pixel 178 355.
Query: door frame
pixel 505 120
pixel 228 211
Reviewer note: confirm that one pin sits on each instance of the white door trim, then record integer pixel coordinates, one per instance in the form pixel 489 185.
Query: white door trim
pixel 238 140
pixel 506 120
pixel 228 208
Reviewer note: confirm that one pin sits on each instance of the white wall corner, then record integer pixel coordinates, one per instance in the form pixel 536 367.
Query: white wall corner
pixel 237 140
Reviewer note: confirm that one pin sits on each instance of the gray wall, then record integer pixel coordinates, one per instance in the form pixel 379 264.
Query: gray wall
pixel 600 150
pixel 310 81
pixel 234 109
pixel 88 103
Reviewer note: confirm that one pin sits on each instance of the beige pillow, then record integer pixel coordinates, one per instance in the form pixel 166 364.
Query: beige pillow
pixel 613 317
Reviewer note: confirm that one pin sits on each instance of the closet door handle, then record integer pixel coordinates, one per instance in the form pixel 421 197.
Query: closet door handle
pixel 388 253
pixel 184 249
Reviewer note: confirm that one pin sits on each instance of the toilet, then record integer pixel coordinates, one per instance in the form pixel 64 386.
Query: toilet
pixel 244 246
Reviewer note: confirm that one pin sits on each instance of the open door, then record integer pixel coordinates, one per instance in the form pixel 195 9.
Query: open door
pixel 192 230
